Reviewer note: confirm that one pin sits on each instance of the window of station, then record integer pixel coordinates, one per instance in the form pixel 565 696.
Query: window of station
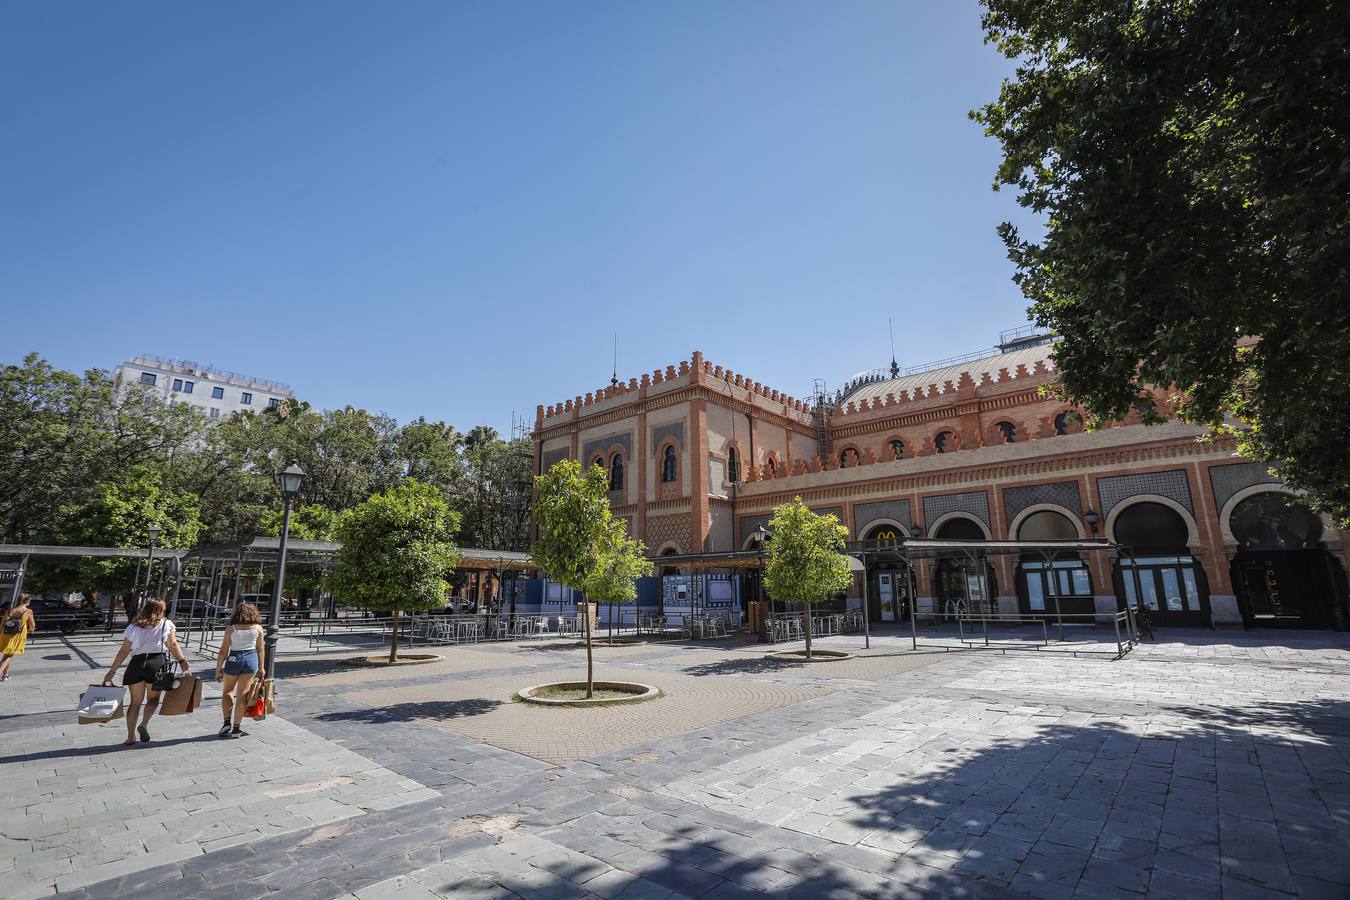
pixel 616 472
pixel 897 449
pixel 944 442
pixel 1008 430
pixel 733 466
pixel 147 378
pixel 217 393
pixel 668 463
pixel 246 398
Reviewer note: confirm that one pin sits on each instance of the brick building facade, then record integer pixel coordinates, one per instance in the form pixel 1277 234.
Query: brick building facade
pixel 699 456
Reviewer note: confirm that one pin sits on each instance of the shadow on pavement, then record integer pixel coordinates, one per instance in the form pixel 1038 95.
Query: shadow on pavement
pixel 404 712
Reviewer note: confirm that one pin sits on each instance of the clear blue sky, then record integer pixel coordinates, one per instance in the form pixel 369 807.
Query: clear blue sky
pixel 446 209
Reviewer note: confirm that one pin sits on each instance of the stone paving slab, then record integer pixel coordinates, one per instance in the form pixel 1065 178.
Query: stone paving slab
pixel 1212 765
pixel 483 709
pixel 83 808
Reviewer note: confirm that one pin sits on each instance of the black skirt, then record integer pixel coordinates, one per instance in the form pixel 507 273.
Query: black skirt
pixel 143 667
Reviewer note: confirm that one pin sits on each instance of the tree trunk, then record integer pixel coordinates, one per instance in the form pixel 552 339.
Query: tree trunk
pixel 590 667
pixel 393 641
pixel 806 627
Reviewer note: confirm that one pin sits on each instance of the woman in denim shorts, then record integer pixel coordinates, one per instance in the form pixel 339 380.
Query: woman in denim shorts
pixel 239 662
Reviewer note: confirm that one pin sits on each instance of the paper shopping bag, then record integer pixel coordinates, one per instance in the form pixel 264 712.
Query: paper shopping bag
pixel 99 703
pixel 182 699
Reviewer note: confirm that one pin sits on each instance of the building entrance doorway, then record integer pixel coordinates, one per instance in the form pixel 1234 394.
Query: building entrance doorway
pixel 1161 576
pixel 964 583
pixel 888 594
pixel 1282 574
pixel 1058 585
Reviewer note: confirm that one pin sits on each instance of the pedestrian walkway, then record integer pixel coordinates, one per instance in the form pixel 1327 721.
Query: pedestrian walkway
pixel 1202 765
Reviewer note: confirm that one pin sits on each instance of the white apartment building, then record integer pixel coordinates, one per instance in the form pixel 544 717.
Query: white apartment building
pixel 217 392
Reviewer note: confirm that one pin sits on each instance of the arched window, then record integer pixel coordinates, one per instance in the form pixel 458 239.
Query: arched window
pixel 1046 525
pixel 733 466
pixel 1009 431
pixel 772 466
pixel 1273 521
pixel 598 461
pixel 616 472
pixel 668 463
pixel 848 458
pixel 1151 526
pixel 944 442
pixel 1062 423
pixel 897 449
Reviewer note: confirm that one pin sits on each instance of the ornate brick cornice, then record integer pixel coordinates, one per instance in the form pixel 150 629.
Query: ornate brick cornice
pixel 999 473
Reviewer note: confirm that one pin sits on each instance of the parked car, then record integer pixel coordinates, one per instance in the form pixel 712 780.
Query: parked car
pixel 55 613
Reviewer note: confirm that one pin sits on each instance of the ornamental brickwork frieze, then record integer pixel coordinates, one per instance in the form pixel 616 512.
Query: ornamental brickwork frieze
pixel 662 530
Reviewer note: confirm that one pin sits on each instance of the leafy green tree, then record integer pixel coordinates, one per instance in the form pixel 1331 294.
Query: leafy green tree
pixel 577 533
pixel 119 516
pixel 429 453
pixel 805 564
pixel 66 437
pixel 397 551
pixel 625 562
pixel 494 491
pixel 1188 160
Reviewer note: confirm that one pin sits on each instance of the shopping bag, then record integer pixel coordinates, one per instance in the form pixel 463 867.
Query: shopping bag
pixel 270 696
pixel 257 705
pixel 99 703
pixel 185 697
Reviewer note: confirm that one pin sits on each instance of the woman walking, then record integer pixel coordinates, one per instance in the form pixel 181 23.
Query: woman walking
pixel 148 640
pixel 238 662
pixel 18 622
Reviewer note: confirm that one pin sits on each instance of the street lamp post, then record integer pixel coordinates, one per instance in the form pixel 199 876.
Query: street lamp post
pixel 290 487
pixel 153 532
pixel 759 537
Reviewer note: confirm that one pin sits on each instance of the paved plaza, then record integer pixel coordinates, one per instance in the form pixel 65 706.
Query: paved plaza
pixel 1202 765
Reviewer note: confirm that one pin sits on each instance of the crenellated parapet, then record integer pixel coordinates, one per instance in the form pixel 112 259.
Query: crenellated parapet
pixel 964 387
pixel 695 370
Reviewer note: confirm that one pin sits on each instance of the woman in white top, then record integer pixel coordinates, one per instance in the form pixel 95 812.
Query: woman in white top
pixel 148 641
pixel 239 661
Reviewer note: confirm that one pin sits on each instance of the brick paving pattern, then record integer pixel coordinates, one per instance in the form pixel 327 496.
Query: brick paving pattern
pixel 1206 765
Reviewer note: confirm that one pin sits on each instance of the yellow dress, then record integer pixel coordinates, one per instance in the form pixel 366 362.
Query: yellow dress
pixel 13 644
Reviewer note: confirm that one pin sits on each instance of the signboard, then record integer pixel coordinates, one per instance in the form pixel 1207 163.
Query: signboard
pixel 8 577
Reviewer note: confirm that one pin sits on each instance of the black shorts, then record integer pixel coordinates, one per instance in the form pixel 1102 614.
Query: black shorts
pixel 143 667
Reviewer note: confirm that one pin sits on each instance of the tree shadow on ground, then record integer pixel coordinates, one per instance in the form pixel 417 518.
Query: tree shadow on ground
pixel 1097 808
pixel 757 665
pixel 430 710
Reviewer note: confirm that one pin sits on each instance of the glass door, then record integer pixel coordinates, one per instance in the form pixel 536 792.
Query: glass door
pixel 1168 587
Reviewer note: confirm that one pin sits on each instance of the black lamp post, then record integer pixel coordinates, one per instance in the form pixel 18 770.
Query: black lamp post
pixel 290 487
pixel 759 537
pixel 153 531
pixel 1092 518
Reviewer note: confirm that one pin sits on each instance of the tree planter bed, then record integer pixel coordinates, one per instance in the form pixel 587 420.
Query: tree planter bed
pixel 404 659
pixel 816 656
pixel 573 693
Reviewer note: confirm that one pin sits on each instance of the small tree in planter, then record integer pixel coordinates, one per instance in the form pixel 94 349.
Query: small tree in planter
pixel 397 551
pixel 626 562
pixel 576 532
pixel 805 563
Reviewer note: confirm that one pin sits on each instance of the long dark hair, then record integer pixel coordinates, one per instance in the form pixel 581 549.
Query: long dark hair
pixel 245 614
pixel 151 612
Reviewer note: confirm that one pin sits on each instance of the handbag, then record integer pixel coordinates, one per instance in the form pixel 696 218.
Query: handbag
pixel 164 678
pixel 99 703
pixel 183 698
pixel 269 696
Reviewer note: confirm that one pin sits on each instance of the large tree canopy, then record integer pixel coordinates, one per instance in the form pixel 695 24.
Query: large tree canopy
pixel 79 454
pixel 1191 159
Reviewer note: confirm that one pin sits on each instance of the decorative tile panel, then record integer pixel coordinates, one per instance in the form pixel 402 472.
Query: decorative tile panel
pixel 552 458
pixel 1228 480
pixel 674 430
pixel 1062 493
pixel 864 514
pixel 602 445
pixel 976 503
pixel 1173 485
